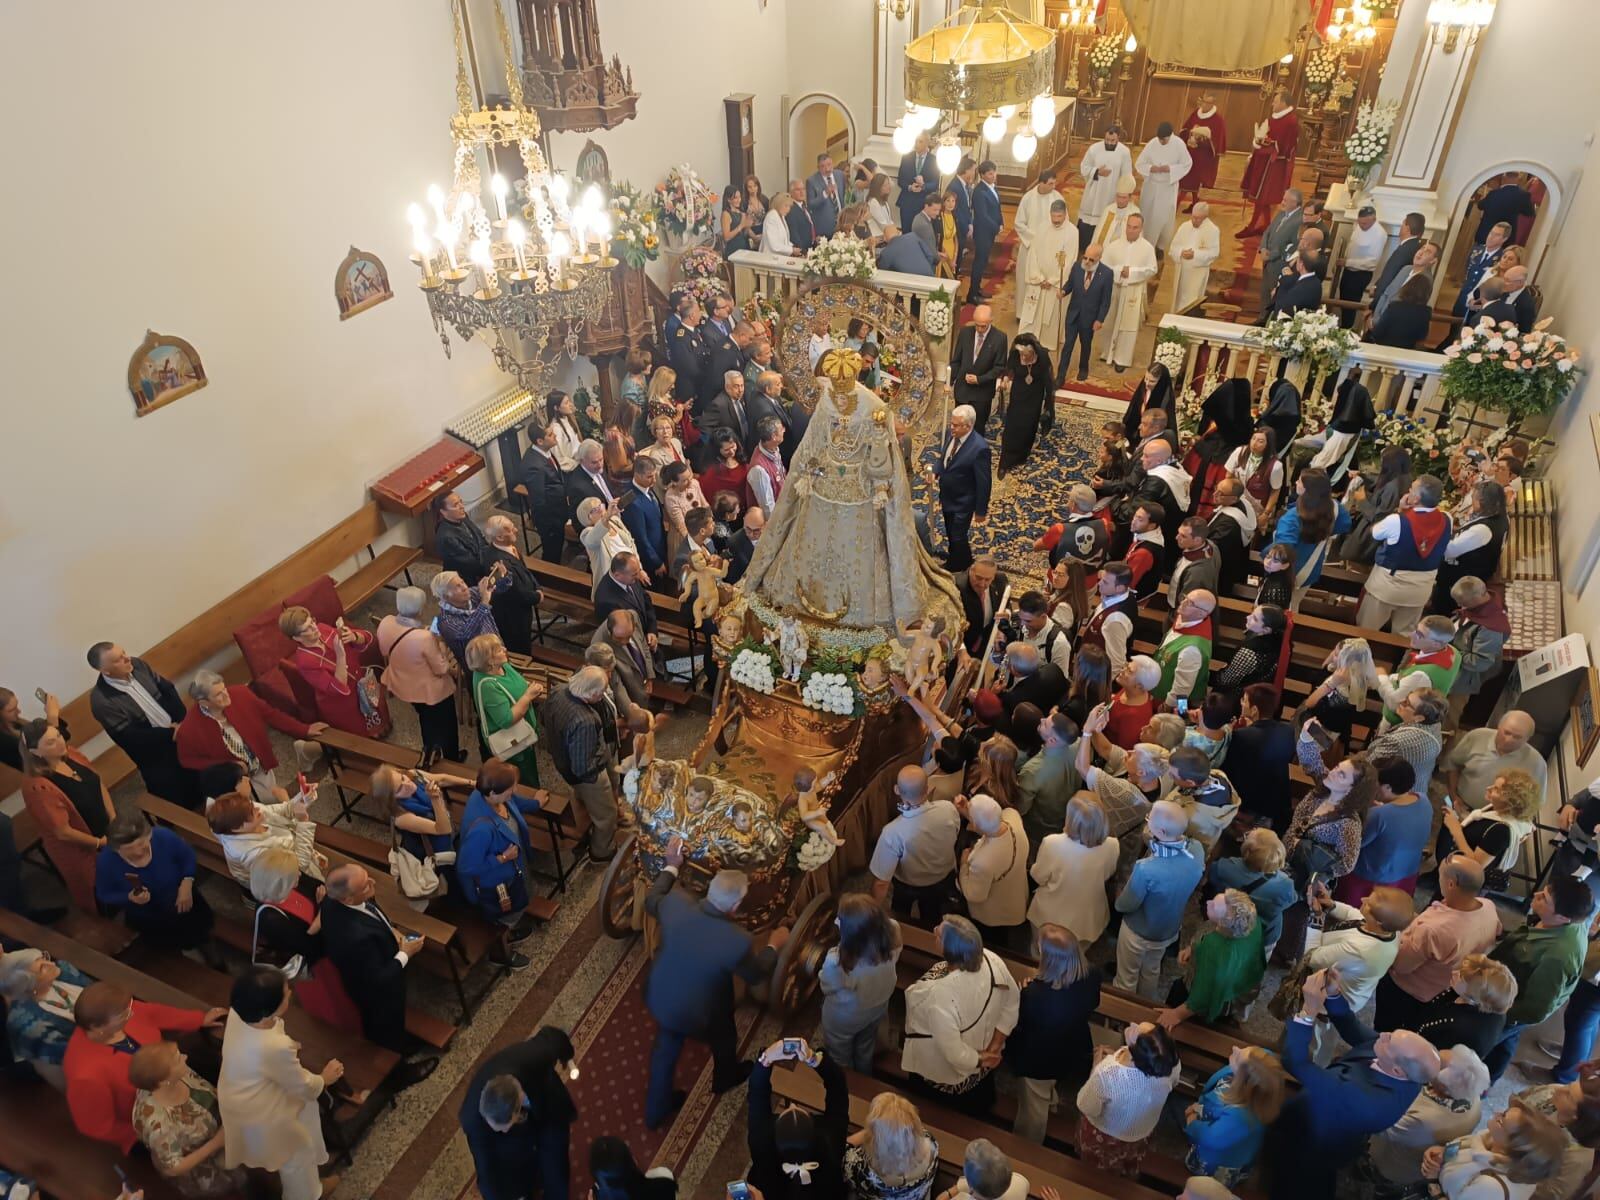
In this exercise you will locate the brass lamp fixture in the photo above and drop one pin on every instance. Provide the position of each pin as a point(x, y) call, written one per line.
point(984, 63)
point(518, 276)
point(1454, 22)
point(898, 9)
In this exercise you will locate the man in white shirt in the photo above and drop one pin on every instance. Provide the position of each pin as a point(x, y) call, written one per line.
point(1110, 625)
point(1131, 261)
point(1104, 164)
point(766, 474)
point(1041, 630)
point(916, 852)
point(1194, 247)
point(1361, 256)
point(1033, 214)
point(1163, 163)
point(1412, 544)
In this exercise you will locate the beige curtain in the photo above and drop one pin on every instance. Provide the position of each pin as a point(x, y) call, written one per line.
point(1217, 35)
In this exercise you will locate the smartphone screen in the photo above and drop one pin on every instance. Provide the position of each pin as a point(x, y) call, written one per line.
point(1183, 706)
point(738, 1190)
point(791, 1047)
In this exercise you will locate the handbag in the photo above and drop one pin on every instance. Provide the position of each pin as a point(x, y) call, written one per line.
point(369, 696)
point(294, 968)
point(419, 878)
point(511, 741)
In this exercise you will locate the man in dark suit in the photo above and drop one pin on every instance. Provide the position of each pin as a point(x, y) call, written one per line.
point(966, 177)
point(641, 513)
point(728, 411)
point(514, 602)
point(977, 360)
point(1422, 263)
point(1088, 292)
point(1411, 231)
point(799, 422)
point(802, 227)
point(918, 178)
point(825, 195)
point(1325, 1125)
point(1519, 297)
point(1279, 241)
point(624, 587)
point(141, 711)
point(925, 226)
point(690, 989)
point(588, 479)
point(765, 400)
point(1302, 291)
point(963, 475)
point(986, 225)
point(723, 354)
point(687, 352)
point(459, 543)
point(742, 545)
point(981, 587)
point(371, 955)
point(517, 1121)
point(635, 666)
point(1507, 203)
point(909, 255)
point(1033, 680)
point(543, 491)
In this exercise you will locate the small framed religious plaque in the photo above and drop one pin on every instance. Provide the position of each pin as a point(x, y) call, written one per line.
point(1585, 718)
point(361, 283)
point(163, 369)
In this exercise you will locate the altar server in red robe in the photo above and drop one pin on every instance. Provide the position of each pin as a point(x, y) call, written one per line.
point(1206, 135)
point(1271, 163)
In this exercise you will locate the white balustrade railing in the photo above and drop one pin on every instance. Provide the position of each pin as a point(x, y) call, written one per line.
point(779, 277)
point(1407, 382)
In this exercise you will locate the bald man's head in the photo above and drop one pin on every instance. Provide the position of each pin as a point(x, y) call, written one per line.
point(911, 785)
point(1460, 875)
point(1407, 1055)
point(1513, 732)
point(1197, 605)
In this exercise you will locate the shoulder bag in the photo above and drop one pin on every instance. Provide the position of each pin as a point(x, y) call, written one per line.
point(511, 741)
point(971, 1081)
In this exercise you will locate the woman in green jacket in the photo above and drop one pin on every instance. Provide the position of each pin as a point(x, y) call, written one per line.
point(504, 698)
point(1227, 962)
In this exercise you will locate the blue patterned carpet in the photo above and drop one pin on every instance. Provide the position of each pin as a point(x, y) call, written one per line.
point(1024, 504)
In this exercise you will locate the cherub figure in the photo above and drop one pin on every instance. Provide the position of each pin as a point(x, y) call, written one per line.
point(874, 673)
point(924, 657)
point(698, 794)
point(703, 578)
point(812, 811)
point(793, 645)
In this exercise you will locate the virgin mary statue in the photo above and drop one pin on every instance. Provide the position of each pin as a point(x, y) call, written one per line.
point(841, 548)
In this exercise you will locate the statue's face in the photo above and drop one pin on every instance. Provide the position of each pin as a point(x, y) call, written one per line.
point(742, 820)
point(697, 800)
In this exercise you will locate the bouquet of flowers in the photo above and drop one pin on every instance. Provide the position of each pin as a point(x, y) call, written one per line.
point(1189, 402)
point(1369, 140)
point(635, 225)
point(1311, 335)
point(811, 850)
point(763, 312)
point(1519, 374)
point(1172, 351)
point(843, 256)
point(1103, 55)
point(755, 665)
point(701, 270)
point(829, 684)
point(1430, 449)
point(937, 310)
point(1320, 71)
point(688, 206)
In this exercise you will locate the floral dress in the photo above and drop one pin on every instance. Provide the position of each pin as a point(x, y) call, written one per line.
point(866, 1185)
point(171, 1133)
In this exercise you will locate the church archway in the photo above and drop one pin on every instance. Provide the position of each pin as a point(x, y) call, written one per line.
point(818, 122)
point(1549, 199)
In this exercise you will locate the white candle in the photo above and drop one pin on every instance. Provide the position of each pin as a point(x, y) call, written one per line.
point(447, 239)
point(425, 250)
point(484, 261)
point(518, 235)
point(498, 185)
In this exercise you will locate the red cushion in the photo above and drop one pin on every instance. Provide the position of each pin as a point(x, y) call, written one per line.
point(321, 597)
point(274, 689)
point(262, 643)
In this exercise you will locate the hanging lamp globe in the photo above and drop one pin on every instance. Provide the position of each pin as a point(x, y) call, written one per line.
point(981, 58)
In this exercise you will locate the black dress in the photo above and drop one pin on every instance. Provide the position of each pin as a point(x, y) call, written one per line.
point(1051, 1039)
point(1446, 1023)
point(84, 792)
point(1140, 401)
point(1030, 410)
point(827, 1146)
point(1255, 661)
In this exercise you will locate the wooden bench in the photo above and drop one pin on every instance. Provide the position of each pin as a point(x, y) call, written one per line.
point(211, 631)
point(450, 949)
point(953, 1131)
point(38, 1140)
point(558, 666)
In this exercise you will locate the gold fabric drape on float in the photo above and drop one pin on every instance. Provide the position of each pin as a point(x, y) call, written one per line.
point(1216, 35)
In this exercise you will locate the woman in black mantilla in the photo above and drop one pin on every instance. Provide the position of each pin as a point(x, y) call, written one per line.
point(1154, 391)
point(1225, 425)
point(1030, 403)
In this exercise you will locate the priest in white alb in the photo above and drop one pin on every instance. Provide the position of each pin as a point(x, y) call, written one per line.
point(1132, 263)
point(1113, 221)
point(1163, 163)
point(1042, 307)
point(1104, 165)
point(1194, 247)
point(1033, 214)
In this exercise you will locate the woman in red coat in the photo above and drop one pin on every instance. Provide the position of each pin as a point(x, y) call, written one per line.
point(229, 725)
point(728, 472)
point(69, 802)
point(329, 658)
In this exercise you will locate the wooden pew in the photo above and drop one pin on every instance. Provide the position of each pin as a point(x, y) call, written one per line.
point(38, 1140)
point(1043, 1167)
point(451, 948)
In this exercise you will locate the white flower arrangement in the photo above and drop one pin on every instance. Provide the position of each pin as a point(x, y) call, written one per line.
point(830, 692)
point(843, 256)
point(630, 785)
point(753, 669)
point(1369, 140)
point(1321, 68)
point(688, 208)
point(1173, 356)
point(937, 311)
point(813, 852)
point(1522, 373)
point(1103, 55)
point(1311, 335)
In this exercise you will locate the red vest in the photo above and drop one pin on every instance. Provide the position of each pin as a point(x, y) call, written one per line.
point(1092, 629)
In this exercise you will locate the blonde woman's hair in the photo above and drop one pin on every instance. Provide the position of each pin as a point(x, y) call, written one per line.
point(1355, 656)
point(1086, 820)
point(1061, 960)
point(1488, 984)
point(1263, 852)
point(1522, 793)
point(151, 1064)
point(384, 787)
point(293, 619)
point(1535, 1145)
point(479, 649)
point(995, 773)
point(661, 383)
point(1240, 918)
point(273, 874)
point(1258, 1084)
point(894, 1146)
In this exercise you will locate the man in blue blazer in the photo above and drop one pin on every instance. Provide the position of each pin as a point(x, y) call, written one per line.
point(918, 179)
point(825, 195)
point(641, 513)
point(966, 177)
point(962, 476)
point(690, 989)
point(905, 253)
point(543, 489)
point(1301, 291)
point(1365, 1090)
point(1088, 293)
point(986, 225)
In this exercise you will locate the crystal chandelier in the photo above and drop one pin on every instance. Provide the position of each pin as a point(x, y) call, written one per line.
point(984, 62)
point(521, 276)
